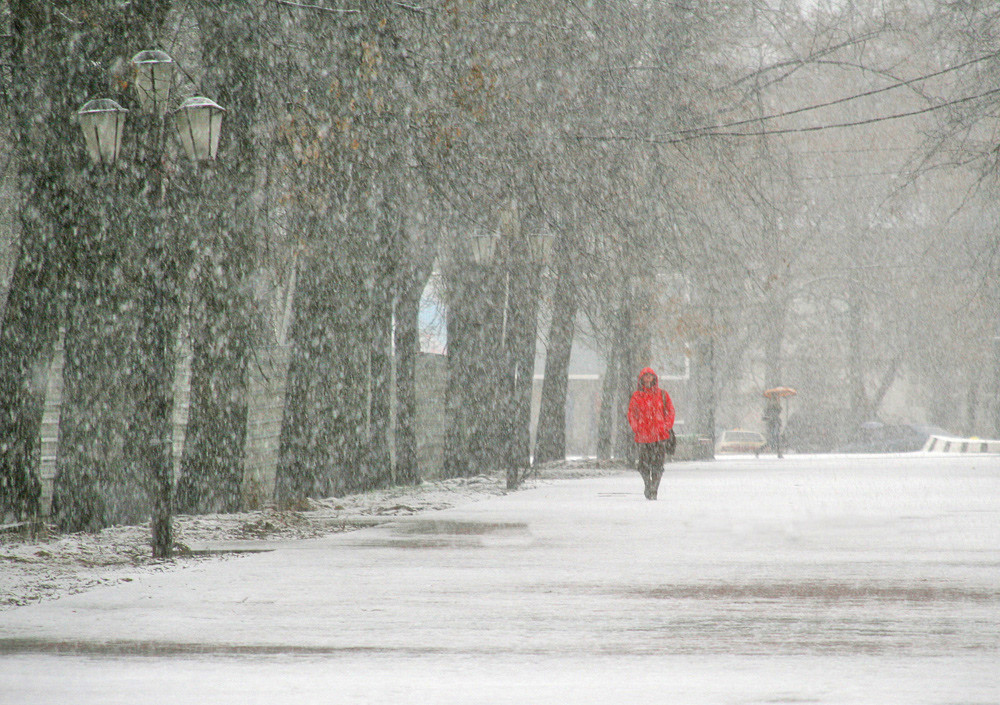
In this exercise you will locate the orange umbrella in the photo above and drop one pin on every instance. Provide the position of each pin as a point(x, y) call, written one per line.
point(779, 392)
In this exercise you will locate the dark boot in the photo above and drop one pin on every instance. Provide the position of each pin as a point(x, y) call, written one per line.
point(654, 484)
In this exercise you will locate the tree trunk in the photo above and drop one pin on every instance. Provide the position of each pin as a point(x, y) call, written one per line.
point(351, 469)
point(214, 455)
point(855, 360)
point(971, 407)
point(524, 342)
point(456, 441)
point(380, 386)
point(149, 441)
point(96, 484)
point(27, 337)
point(996, 386)
point(773, 339)
point(885, 384)
point(628, 374)
point(325, 434)
point(306, 442)
point(606, 419)
point(550, 434)
point(407, 345)
point(490, 386)
point(29, 321)
point(213, 463)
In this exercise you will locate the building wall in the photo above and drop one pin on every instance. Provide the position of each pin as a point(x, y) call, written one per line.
point(583, 408)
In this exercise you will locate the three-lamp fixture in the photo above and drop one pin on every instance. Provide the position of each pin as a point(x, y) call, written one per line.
point(196, 121)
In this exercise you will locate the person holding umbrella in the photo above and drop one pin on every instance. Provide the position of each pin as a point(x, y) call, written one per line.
point(772, 421)
point(772, 416)
point(651, 416)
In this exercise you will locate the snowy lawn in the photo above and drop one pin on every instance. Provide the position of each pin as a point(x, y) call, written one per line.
point(53, 565)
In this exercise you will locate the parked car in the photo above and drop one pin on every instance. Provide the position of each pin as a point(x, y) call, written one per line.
point(878, 437)
point(739, 440)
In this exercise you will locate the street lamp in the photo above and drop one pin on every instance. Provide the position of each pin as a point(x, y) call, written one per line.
point(197, 123)
point(103, 122)
point(540, 247)
point(154, 74)
point(483, 246)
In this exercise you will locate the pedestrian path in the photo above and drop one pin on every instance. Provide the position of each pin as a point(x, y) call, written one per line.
point(816, 579)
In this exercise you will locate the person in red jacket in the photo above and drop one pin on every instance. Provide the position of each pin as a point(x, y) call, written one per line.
point(651, 416)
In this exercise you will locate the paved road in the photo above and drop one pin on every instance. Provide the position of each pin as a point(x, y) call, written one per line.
point(811, 579)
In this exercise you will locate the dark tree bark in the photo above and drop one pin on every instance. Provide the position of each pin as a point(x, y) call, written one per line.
point(413, 273)
point(213, 463)
point(628, 377)
point(407, 345)
point(523, 344)
point(350, 423)
point(214, 454)
point(27, 339)
point(526, 342)
point(306, 441)
point(550, 436)
point(489, 386)
point(380, 376)
point(29, 320)
point(148, 447)
point(995, 386)
point(606, 418)
point(460, 348)
point(89, 208)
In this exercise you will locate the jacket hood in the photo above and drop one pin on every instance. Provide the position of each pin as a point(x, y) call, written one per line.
point(648, 370)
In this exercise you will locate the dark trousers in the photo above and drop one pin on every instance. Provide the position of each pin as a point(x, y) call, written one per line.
point(651, 456)
point(774, 437)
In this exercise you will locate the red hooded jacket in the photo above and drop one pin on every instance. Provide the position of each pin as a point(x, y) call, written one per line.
point(650, 411)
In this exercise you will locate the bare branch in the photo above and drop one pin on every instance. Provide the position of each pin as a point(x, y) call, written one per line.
point(334, 10)
point(411, 8)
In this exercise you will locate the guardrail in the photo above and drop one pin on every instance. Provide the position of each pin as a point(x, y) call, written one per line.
point(946, 444)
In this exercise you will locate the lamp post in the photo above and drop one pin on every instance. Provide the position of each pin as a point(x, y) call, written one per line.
point(197, 123)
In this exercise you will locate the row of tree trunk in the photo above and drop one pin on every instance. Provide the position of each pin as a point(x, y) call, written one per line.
point(116, 258)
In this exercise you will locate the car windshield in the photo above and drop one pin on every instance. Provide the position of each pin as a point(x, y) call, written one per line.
point(742, 436)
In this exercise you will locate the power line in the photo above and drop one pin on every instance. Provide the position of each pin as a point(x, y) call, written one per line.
point(838, 101)
point(857, 123)
point(782, 131)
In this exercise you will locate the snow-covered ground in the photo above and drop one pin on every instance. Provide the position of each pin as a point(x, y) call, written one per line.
point(821, 579)
point(53, 565)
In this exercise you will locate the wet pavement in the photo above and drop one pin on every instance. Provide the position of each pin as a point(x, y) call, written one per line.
point(809, 579)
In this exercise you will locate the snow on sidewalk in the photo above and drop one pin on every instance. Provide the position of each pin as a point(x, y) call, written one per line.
point(819, 579)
